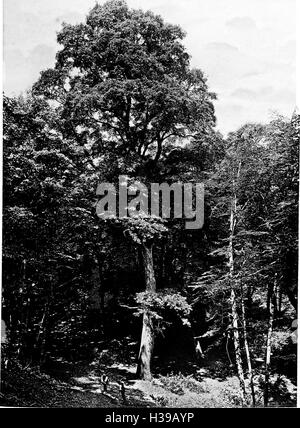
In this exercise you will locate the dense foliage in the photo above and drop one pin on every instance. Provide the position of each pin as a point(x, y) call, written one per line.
point(122, 99)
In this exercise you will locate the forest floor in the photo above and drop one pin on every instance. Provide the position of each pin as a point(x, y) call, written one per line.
point(63, 383)
point(79, 385)
point(69, 385)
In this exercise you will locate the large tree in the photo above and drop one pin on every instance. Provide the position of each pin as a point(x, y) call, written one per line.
point(123, 78)
point(123, 87)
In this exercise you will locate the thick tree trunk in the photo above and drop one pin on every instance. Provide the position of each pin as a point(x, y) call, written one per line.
point(148, 268)
point(146, 349)
point(147, 338)
point(271, 293)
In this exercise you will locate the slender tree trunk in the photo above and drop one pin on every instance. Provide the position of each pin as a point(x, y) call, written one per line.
point(198, 349)
point(101, 291)
point(147, 338)
point(279, 300)
point(47, 326)
point(271, 293)
point(44, 332)
point(249, 298)
point(41, 324)
point(22, 323)
point(234, 313)
point(246, 345)
point(237, 348)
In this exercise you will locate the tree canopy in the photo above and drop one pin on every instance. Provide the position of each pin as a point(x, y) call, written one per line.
point(124, 79)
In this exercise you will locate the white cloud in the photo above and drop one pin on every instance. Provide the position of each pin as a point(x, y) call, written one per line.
point(242, 23)
point(221, 48)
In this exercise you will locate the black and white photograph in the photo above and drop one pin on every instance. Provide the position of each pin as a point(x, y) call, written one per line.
point(149, 200)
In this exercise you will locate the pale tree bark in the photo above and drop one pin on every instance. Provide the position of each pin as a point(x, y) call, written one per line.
point(147, 338)
point(279, 300)
point(198, 349)
point(234, 313)
point(272, 292)
point(237, 348)
point(246, 345)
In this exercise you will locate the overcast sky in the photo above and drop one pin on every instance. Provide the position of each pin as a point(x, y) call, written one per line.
point(247, 48)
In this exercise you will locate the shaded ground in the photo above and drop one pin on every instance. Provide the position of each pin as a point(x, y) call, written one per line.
point(78, 384)
point(21, 387)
